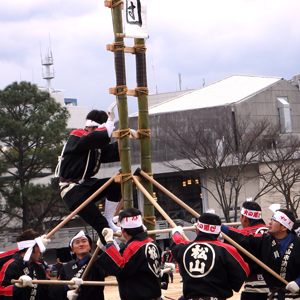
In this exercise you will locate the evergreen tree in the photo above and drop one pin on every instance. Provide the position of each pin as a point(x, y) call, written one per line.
point(32, 130)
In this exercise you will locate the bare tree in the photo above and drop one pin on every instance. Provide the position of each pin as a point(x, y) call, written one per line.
point(281, 168)
point(223, 145)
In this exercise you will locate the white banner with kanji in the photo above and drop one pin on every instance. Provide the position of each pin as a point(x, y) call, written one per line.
point(135, 19)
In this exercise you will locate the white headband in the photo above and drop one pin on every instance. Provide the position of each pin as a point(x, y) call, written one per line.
point(207, 228)
point(77, 236)
point(283, 219)
point(91, 123)
point(30, 244)
point(252, 214)
point(131, 222)
point(298, 231)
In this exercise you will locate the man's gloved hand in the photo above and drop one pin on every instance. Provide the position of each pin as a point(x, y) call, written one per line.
point(111, 113)
point(26, 281)
point(293, 287)
point(45, 240)
point(178, 229)
point(72, 295)
point(78, 282)
point(100, 245)
point(108, 235)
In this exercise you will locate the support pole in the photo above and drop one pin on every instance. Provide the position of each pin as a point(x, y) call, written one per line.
point(144, 128)
point(63, 282)
point(156, 205)
point(122, 103)
point(227, 238)
point(81, 206)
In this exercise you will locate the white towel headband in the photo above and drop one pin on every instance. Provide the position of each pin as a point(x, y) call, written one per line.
point(30, 245)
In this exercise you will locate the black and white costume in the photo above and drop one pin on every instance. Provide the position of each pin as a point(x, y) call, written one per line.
point(255, 286)
point(13, 269)
point(267, 249)
point(75, 268)
point(81, 159)
point(137, 269)
point(209, 268)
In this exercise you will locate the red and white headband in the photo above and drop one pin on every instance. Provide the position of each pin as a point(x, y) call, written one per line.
point(207, 228)
point(131, 222)
point(30, 245)
point(77, 236)
point(252, 214)
point(283, 219)
point(91, 123)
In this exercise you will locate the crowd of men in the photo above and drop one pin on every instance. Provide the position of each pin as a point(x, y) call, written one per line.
point(210, 268)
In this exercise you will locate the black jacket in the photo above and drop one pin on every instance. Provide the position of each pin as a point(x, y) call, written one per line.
point(15, 268)
point(73, 269)
point(137, 269)
point(209, 267)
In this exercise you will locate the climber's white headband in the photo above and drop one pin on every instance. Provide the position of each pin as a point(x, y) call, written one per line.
point(252, 214)
point(30, 245)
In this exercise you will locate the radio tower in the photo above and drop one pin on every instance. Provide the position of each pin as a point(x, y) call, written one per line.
point(48, 75)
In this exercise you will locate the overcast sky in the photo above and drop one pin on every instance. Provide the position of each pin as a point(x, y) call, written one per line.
point(201, 40)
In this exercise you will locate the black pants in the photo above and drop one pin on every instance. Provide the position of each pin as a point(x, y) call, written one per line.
point(91, 213)
point(254, 296)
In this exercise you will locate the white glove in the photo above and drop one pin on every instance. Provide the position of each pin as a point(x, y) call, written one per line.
point(195, 225)
point(72, 295)
point(293, 287)
point(45, 240)
point(111, 113)
point(170, 266)
point(133, 134)
point(177, 229)
point(78, 282)
point(108, 235)
point(26, 281)
point(100, 245)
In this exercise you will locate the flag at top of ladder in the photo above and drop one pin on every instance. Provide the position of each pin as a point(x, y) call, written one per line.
point(135, 19)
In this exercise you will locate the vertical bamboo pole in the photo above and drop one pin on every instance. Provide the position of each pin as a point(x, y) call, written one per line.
point(122, 102)
point(143, 126)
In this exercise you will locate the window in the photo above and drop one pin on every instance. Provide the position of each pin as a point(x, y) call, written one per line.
point(284, 112)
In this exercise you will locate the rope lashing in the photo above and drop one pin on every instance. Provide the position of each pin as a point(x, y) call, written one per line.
point(121, 43)
point(143, 90)
point(141, 47)
point(149, 219)
point(145, 132)
point(117, 3)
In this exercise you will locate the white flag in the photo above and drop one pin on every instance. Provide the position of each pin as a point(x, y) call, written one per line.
point(135, 19)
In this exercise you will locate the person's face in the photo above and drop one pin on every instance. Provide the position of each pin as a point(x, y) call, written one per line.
point(276, 229)
point(81, 246)
point(36, 253)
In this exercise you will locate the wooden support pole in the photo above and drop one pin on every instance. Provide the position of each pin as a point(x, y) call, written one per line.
point(157, 206)
point(168, 193)
point(259, 262)
point(81, 206)
point(63, 282)
point(227, 238)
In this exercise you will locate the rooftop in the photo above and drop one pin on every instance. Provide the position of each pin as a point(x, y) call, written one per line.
point(226, 91)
